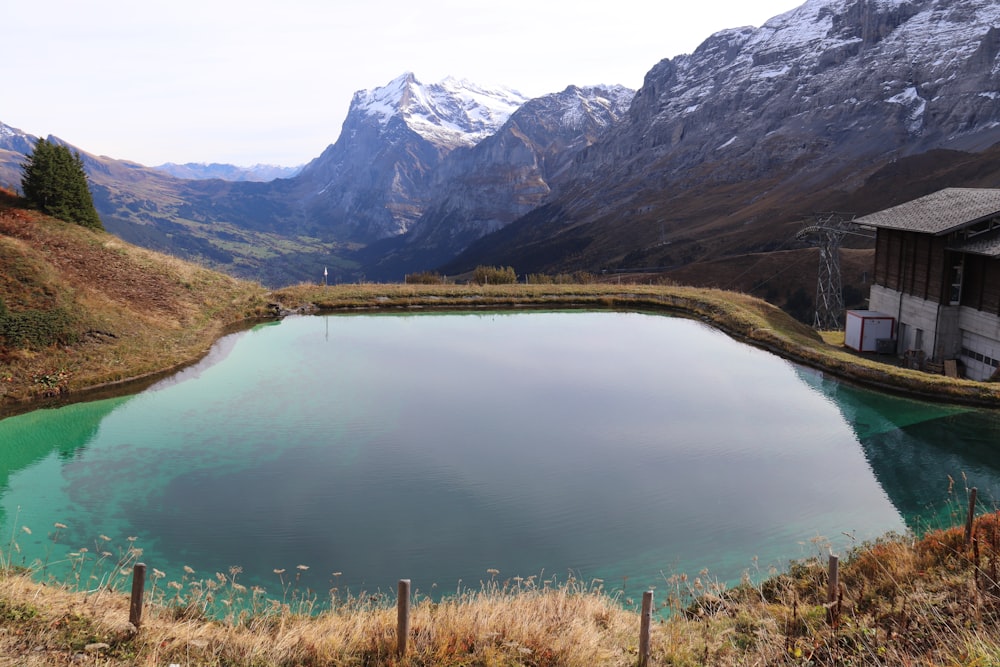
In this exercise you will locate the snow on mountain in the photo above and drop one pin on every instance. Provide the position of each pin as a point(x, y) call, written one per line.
point(822, 96)
point(828, 70)
point(452, 112)
point(584, 105)
point(13, 139)
point(8, 131)
point(947, 29)
point(14, 145)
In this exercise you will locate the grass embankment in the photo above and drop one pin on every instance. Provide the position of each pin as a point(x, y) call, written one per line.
point(89, 310)
point(902, 601)
point(744, 317)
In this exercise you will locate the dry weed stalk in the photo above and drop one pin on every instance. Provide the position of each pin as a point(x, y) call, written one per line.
point(905, 601)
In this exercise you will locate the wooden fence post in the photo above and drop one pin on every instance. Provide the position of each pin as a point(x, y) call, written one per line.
point(402, 616)
point(138, 586)
point(833, 585)
point(833, 590)
point(971, 516)
point(647, 617)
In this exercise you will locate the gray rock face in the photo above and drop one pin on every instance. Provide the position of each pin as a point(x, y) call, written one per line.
point(833, 79)
point(14, 146)
point(818, 97)
point(478, 190)
point(375, 181)
point(15, 140)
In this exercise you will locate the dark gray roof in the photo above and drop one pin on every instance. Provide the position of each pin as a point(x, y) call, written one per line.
point(938, 213)
point(980, 246)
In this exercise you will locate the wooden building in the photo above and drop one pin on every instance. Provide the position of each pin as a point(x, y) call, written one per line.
point(937, 271)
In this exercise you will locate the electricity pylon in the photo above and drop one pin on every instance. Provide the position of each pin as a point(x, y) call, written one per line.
point(826, 231)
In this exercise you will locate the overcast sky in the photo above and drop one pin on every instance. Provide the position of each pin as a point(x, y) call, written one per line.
point(255, 81)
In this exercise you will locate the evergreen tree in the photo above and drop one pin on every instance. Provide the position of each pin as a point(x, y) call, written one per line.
point(54, 181)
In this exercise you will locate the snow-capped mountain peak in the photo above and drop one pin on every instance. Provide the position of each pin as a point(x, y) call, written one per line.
point(821, 26)
point(919, 63)
point(15, 140)
point(602, 104)
point(453, 112)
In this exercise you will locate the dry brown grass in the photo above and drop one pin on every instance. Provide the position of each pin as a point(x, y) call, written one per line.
point(136, 313)
point(904, 601)
point(564, 625)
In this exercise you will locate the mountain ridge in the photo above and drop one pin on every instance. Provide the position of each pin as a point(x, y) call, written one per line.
point(372, 183)
point(724, 149)
point(478, 190)
point(720, 154)
point(198, 171)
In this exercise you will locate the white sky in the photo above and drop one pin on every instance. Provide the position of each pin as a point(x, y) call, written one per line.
point(255, 81)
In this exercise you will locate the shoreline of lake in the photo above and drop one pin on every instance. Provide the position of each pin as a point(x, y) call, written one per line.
point(743, 317)
point(797, 623)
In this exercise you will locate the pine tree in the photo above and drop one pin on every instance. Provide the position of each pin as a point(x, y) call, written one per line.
point(55, 182)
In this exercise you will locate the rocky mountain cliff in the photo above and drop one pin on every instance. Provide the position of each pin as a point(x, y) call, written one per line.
point(725, 148)
point(837, 105)
point(13, 144)
point(480, 189)
point(375, 181)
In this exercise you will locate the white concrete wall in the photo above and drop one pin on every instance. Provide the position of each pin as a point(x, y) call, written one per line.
point(911, 312)
point(947, 330)
point(979, 356)
point(980, 337)
point(979, 323)
point(883, 300)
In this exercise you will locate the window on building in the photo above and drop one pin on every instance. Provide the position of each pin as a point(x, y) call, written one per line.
point(955, 296)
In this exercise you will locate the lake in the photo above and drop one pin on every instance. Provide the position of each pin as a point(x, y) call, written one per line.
point(625, 447)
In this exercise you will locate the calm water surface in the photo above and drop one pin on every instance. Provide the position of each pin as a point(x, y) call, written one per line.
point(435, 447)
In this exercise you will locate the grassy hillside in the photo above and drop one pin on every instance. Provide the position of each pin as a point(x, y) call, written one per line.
point(84, 309)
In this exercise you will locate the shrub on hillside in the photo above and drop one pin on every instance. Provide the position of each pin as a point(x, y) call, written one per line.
point(575, 278)
point(494, 275)
point(424, 278)
point(36, 328)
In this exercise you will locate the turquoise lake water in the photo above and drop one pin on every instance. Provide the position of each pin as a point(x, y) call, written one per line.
point(621, 446)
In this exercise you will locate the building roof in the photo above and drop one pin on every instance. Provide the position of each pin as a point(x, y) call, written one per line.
point(938, 213)
point(988, 246)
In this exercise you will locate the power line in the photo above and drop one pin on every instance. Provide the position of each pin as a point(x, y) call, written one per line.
point(827, 231)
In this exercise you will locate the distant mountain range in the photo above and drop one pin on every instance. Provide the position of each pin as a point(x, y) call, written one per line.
point(418, 172)
point(704, 174)
point(260, 173)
